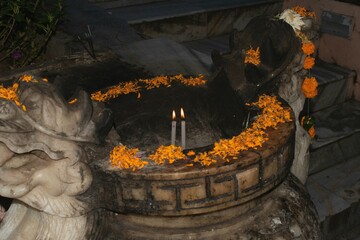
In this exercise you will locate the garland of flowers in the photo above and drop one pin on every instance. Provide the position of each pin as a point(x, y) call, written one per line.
point(294, 17)
point(11, 92)
point(225, 149)
point(146, 84)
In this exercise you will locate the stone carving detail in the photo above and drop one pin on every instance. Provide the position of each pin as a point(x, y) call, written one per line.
point(283, 77)
point(290, 90)
point(284, 213)
point(208, 190)
point(2, 213)
point(278, 45)
point(42, 162)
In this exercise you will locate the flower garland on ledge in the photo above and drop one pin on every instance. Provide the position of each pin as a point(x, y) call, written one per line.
point(294, 17)
point(10, 93)
point(225, 149)
point(147, 84)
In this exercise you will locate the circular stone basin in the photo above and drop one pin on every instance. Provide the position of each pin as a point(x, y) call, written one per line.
point(210, 114)
point(180, 189)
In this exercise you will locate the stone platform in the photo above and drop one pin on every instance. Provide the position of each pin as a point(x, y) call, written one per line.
point(280, 214)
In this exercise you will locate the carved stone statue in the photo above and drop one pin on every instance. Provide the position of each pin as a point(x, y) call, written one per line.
point(42, 162)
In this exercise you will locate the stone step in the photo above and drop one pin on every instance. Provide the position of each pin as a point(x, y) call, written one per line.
point(337, 135)
point(185, 20)
point(160, 10)
point(107, 4)
point(336, 195)
point(335, 85)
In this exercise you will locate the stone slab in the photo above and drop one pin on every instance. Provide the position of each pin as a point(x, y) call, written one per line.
point(202, 25)
point(325, 157)
point(334, 153)
point(163, 10)
point(162, 56)
point(326, 203)
point(333, 190)
point(204, 59)
point(207, 45)
point(106, 4)
point(336, 122)
point(202, 48)
point(350, 146)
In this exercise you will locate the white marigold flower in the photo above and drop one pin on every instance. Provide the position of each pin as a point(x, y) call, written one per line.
point(292, 18)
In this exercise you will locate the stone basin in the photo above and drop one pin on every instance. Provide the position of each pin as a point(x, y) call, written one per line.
point(70, 191)
point(179, 190)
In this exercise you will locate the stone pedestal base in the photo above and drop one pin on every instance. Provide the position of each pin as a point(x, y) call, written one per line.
point(285, 213)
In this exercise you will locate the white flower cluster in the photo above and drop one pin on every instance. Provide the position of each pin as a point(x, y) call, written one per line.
point(294, 19)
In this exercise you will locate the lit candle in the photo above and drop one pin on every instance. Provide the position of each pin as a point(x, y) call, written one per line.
point(173, 128)
point(183, 129)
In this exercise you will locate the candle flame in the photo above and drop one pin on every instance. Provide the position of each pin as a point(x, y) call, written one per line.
point(173, 115)
point(182, 114)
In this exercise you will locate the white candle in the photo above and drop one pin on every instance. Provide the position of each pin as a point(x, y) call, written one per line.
point(183, 129)
point(173, 128)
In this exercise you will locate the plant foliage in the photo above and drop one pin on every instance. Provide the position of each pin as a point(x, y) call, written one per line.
point(25, 28)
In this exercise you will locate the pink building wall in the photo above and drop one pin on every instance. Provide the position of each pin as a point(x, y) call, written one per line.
point(334, 49)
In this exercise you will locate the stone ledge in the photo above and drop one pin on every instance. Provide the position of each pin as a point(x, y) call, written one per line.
point(336, 195)
point(108, 4)
point(164, 10)
point(336, 122)
point(335, 85)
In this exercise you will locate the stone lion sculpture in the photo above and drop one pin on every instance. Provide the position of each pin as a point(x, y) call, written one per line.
point(42, 162)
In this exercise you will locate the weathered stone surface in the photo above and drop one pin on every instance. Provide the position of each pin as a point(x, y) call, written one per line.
point(2, 212)
point(121, 3)
point(335, 192)
point(171, 9)
point(178, 190)
point(248, 79)
point(285, 213)
point(337, 122)
point(42, 164)
point(171, 58)
point(334, 85)
point(199, 24)
point(283, 76)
